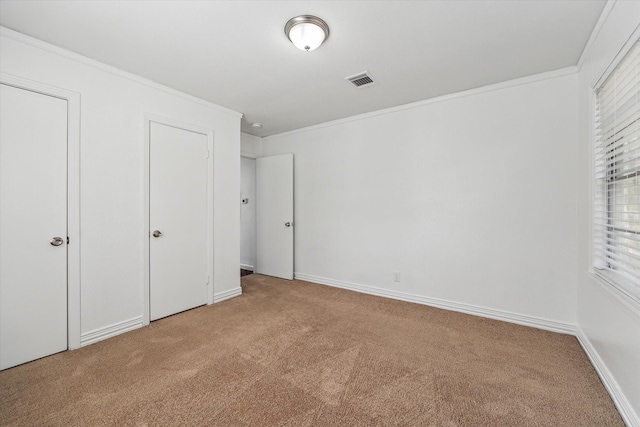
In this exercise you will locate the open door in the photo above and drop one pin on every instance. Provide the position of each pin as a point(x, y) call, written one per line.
point(274, 216)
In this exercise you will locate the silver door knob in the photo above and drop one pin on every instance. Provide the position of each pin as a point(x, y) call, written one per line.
point(157, 233)
point(287, 224)
point(56, 241)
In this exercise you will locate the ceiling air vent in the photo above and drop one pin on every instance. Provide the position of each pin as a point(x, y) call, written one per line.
point(361, 80)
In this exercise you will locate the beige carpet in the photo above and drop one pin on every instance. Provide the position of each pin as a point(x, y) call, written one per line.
point(300, 354)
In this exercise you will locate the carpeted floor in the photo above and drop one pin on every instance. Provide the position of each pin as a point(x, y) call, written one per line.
point(301, 354)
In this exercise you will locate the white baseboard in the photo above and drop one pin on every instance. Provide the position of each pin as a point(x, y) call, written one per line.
point(137, 322)
point(628, 414)
point(221, 296)
point(110, 331)
point(246, 267)
point(520, 319)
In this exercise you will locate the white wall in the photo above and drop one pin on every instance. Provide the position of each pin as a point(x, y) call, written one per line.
point(608, 325)
point(250, 145)
point(113, 104)
point(248, 213)
point(472, 198)
point(250, 149)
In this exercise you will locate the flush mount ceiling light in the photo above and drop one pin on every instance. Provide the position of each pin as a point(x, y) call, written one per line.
point(306, 32)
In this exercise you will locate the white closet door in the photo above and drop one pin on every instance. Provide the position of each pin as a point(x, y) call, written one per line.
point(178, 220)
point(33, 225)
point(274, 216)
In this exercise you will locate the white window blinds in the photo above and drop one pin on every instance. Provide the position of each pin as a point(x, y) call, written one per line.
point(617, 169)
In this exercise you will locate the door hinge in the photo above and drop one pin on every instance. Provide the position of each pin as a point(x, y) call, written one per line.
point(207, 154)
point(207, 280)
point(67, 240)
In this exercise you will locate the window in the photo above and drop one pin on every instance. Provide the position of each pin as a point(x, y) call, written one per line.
point(617, 174)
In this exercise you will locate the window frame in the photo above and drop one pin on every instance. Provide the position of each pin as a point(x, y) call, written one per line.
point(603, 191)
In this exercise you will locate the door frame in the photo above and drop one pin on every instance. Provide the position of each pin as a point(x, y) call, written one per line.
point(209, 133)
point(259, 265)
point(73, 196)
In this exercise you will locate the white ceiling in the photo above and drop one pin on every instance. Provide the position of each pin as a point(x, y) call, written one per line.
point(235, 53)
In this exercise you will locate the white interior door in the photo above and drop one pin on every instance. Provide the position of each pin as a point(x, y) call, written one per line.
point(274, 216)
point(33, 212)
point(178, 274)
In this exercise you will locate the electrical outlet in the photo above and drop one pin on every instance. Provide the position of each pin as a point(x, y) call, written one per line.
point(396, 276)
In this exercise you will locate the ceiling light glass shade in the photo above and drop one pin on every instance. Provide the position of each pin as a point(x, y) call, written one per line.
point(306, 32)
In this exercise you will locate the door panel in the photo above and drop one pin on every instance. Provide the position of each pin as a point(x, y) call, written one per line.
point(178, 210)
point(274, 210)
point(33, 210)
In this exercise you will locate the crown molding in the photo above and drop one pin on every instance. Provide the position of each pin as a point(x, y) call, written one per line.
point(562, 72)
point(608, 7)
point(23, 38)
